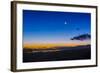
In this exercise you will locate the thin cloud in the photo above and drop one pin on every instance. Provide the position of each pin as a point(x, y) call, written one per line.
point(82, 37)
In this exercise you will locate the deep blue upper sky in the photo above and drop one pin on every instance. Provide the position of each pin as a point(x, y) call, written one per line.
point(51, 27)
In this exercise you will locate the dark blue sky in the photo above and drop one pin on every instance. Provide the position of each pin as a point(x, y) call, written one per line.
point(52, 27)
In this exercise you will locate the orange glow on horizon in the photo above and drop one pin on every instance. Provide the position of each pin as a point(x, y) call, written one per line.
point(53, 45)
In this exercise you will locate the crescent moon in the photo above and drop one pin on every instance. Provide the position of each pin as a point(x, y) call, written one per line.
point(65, 22)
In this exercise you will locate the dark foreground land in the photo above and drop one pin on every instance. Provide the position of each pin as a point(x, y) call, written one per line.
point(61, 53)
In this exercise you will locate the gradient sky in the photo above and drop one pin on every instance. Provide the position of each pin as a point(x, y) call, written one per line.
point(54, 27)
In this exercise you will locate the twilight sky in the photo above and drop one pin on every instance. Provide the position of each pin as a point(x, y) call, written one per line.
point(54, 27)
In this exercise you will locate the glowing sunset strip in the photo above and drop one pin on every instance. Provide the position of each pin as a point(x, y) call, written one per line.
point(53, 46)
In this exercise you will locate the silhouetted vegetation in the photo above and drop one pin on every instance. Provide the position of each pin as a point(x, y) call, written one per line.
point(58, 54)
